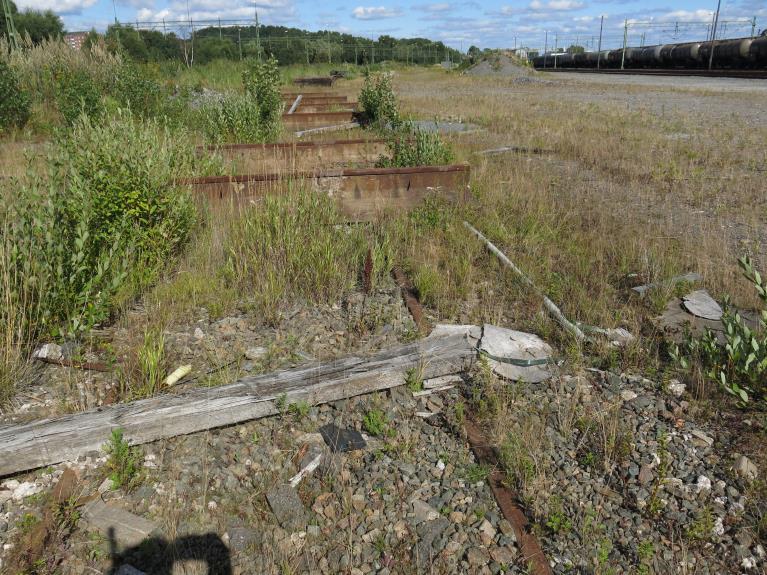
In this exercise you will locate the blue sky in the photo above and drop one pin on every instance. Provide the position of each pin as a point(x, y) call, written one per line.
point(460, 24)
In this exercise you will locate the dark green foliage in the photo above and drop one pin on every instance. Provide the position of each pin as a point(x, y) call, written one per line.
point(410, 147)
point(77, 93)
point(14, 102)
point(97, 229)
point(378, 101)
point(124, 461)
point(137, 91)
point(740, 365)
point(262, 82)
point(38, 24)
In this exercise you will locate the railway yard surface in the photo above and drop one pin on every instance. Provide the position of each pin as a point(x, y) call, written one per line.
point(620, 460)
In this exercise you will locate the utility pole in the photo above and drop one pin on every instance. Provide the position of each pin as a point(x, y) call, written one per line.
point(258, 35)
point(10, 27)
point(713, 35)
point(599, 50)
point(625, 39)
point(545, 48)
point(753, 26)
point(239, 41)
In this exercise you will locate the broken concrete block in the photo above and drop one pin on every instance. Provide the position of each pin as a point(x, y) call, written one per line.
point(516, 355)
point(127, 528)
point(287, 508)
point(49, 351)
point(701, 304)
point(473, 332)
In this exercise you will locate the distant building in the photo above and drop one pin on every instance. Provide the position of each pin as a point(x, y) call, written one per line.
point(75, 40)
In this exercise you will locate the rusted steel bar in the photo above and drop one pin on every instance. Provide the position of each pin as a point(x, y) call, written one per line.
point(411, 301)
point(84, 365)
point(532, 552)
point(336, 128)
point(315, 81)
point(298, 156)
point(301, 121)
point(361, 194)
point(314, 100)
point(307, 107)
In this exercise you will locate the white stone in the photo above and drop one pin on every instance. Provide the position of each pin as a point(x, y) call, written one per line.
point(676, 388)
point(628, 395)
point(440, 465)
point(49, 351)
point(198, 333)
point(704, 483)
point(25, 490)
point(718, 529)
point(11, 484)
point(212, 505)
point(748, 563)
point(105, 486)
point(255, 353)
point(746, 468)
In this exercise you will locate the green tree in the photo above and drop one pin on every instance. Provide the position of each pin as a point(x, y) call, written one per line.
point(575, 49)
point(38, 24)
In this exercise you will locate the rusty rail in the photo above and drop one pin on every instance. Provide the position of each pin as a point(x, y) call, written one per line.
point(302, 121)
point(298, 156)
point(362, 194)
point(411, 300)
point(532, 552)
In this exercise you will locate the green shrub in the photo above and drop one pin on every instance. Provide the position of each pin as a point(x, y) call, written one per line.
point(410, 147)
point(77, 93)
point(14, 102)
point(261, 81)
point(123, 462)
point(137, 91)
point(378, 101)
point(740, 365)
point(95, 231)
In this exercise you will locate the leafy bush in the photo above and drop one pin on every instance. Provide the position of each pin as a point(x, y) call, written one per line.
point(740, 365)
point(262, 83)
point(137, 91)
point(410, 147)
point(378, 101)
point(95, 230)
point(77, 93)
point(14, 102)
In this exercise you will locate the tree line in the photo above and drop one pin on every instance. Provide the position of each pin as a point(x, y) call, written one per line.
point(208, 43)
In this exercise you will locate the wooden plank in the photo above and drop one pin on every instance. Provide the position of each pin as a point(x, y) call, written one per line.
point(50, 441)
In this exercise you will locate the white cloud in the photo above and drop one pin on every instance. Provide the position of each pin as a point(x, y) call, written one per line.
point(375, 12)
point(440, 7)
point(558, 5)
point(58, 6)
point(269, 11)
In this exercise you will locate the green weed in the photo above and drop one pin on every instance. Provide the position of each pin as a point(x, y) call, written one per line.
point(123, 462)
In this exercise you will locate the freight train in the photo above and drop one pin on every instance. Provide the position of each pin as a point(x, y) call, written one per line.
point(739, 53)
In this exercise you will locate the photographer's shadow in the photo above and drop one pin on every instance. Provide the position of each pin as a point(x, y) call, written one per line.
point(157, 555)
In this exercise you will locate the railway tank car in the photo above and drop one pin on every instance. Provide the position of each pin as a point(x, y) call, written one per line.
point(738, 53)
